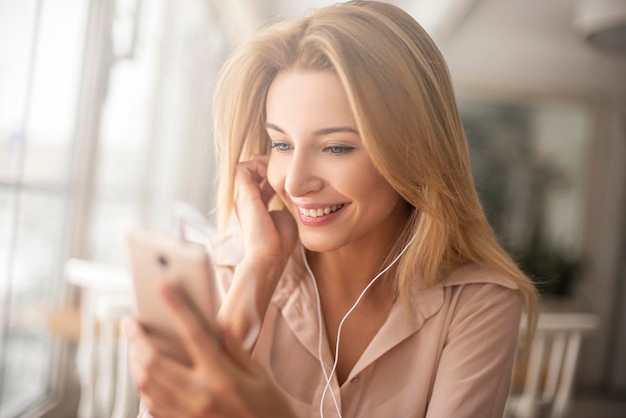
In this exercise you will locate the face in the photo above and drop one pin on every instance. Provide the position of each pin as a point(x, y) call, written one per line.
point(321, 169)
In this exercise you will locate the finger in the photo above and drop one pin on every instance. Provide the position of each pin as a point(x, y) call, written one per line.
point(157, 406)
point(165, 394)
point(156, 400)
point(251, 189)
point(150, 367)
point(252, 171)
point(171, 390)
point(261, 158)
point(266, 192)
point(201, 342)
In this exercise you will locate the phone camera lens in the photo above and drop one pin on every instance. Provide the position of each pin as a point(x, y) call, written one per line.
point(162, 260)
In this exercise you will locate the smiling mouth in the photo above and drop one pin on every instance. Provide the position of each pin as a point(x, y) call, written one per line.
point(319, 212)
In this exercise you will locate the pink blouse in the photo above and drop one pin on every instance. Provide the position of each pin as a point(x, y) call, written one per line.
point(451, 358)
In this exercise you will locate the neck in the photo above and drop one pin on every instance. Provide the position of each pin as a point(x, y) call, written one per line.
point(343, 273)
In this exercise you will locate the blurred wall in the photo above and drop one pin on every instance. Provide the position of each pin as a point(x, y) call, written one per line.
point(532, 49)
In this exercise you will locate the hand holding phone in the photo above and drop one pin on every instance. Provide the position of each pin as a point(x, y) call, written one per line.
point(156, 259)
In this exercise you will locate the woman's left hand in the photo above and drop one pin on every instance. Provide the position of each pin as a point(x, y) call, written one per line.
point(222, 380)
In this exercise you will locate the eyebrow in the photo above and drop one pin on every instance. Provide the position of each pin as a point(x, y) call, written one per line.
point(319, 132)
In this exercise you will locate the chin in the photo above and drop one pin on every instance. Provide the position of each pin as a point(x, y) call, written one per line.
point(317, 244)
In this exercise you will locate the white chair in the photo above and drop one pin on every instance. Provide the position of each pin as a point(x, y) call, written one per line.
point(546, 371)
point(106, 297)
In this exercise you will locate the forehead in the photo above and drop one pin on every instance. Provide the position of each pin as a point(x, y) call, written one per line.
point(308, 100)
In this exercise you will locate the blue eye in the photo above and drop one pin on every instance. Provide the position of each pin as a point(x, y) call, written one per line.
point(281, 146)
point(338, 149)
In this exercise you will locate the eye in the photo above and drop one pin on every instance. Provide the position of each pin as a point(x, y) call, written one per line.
point(281, 146)
point(339, 149)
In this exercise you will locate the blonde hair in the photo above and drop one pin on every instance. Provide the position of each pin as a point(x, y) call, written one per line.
point(401, 95)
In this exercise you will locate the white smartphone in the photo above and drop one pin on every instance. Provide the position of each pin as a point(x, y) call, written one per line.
point(155, 258)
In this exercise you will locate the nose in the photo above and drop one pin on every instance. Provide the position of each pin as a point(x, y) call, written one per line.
point(302, 177)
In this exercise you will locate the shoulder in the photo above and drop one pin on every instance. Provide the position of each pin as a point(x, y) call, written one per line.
point(468, 290)
point(479, 294)
point(479, 324)
point(473, 273)
point(475, 283)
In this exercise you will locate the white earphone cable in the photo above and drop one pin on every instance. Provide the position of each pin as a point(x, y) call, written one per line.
point(320, 336)
point(328, 377)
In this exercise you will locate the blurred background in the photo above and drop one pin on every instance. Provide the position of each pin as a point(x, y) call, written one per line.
point(105, 122)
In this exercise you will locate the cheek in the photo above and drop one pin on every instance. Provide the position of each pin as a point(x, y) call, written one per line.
point(368, 181)
point(375, 188)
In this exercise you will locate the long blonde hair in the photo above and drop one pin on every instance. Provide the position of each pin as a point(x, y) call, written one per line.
point(400, 91)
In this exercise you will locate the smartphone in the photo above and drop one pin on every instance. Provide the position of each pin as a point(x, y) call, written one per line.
point(156, 258)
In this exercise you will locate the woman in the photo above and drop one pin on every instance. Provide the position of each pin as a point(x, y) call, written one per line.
point(375, 287)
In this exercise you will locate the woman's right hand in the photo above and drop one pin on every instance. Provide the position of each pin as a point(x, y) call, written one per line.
point(269, 237)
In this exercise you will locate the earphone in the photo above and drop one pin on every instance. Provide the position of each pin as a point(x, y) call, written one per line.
point(328, 377)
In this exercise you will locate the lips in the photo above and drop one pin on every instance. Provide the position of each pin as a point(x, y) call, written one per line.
point(319, 212)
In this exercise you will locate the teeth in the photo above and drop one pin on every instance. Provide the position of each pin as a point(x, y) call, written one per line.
point(316, 213)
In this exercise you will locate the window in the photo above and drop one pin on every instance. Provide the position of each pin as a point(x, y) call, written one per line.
point(42, 44)
point(104, 123)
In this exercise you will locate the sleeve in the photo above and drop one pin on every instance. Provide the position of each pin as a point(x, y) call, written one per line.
point(474, 373)
point(225, 252)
